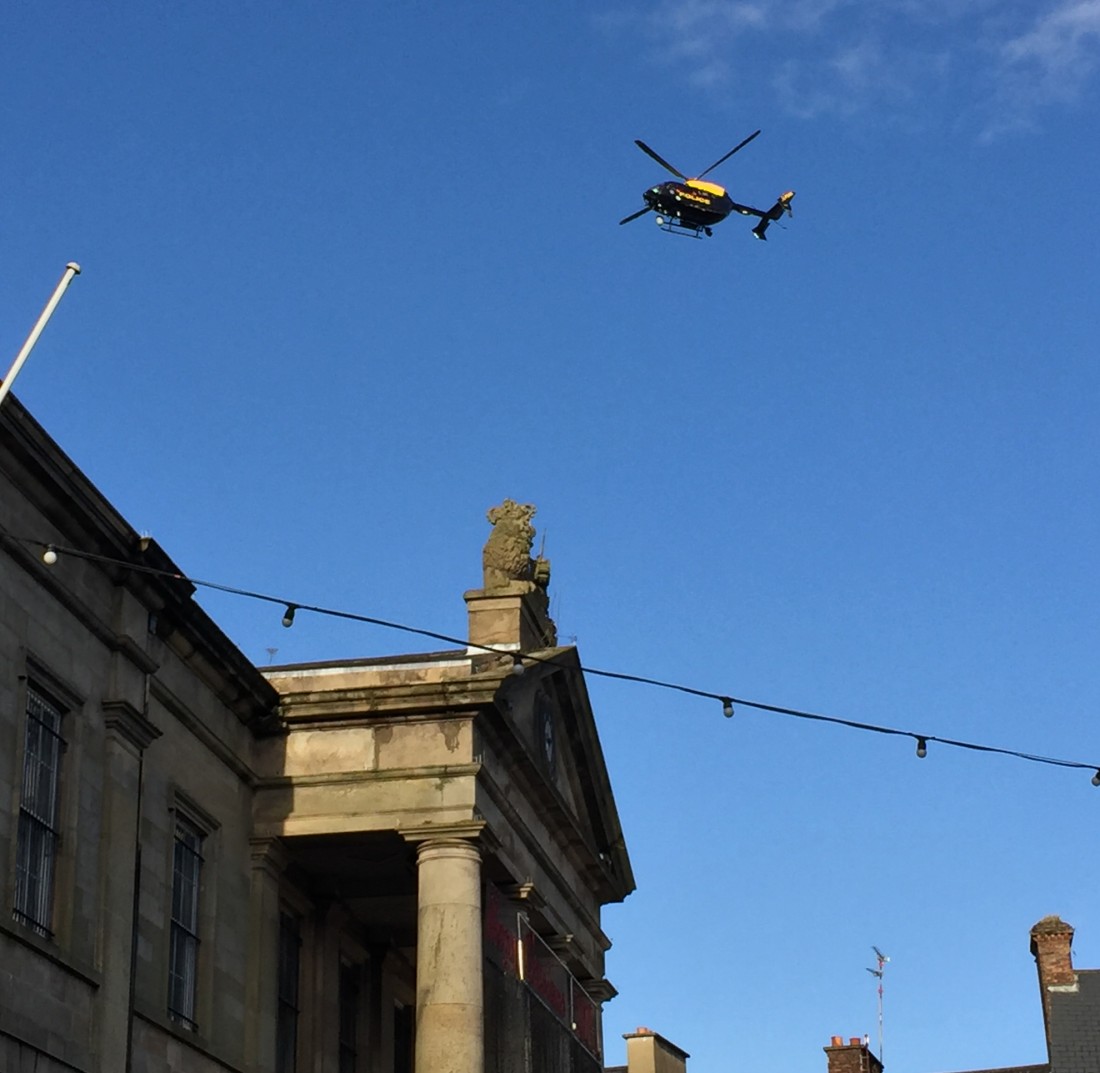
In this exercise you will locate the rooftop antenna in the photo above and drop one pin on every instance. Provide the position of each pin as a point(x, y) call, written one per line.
point(71, 269)
point(879, 973)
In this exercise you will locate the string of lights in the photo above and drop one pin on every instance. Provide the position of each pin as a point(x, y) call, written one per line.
point(52, 552)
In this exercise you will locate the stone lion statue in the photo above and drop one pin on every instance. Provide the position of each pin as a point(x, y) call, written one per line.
point(506, 557)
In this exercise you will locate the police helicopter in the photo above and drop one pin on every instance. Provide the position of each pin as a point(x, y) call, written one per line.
point(694, 206)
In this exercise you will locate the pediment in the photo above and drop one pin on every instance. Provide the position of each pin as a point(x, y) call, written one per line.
point(549, 712)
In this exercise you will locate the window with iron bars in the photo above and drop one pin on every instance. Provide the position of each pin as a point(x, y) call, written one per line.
point(38, 837)
point(183, 954)
point(286, 1027)
point(349, 1016)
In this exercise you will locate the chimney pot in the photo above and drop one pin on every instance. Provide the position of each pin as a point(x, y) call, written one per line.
point(855, 1056)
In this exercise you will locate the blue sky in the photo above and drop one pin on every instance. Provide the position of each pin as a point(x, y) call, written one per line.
point(352, 274)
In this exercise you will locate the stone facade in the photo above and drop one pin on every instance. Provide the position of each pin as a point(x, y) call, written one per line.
point(381, 865)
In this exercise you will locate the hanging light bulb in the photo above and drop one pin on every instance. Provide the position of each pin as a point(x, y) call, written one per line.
point(1096, 778)
point(727, 707)
point(49, 556)
point(517, 665)
point(288, 615)
point(922, 747)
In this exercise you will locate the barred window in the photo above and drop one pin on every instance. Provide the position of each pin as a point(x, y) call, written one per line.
point(286, 1028)
point(349, 1014)
point(38, 836)
point(183, 954)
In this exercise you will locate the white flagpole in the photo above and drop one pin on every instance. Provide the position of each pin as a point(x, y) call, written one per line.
point(71, 269)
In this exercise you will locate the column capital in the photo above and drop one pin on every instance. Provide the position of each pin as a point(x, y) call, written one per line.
point(470, 831)
point(268, 855)
point(459, 848)
point(477, 832)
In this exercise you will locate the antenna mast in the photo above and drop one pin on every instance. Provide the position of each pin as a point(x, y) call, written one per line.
point(879, 973)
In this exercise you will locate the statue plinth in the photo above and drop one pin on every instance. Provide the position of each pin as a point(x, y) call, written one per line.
point(512, 617)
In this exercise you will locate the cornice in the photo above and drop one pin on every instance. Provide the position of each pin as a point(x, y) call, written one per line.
point(47, 485)
point(374, 702)
point(433, 772)
point(526, 890)
point(591, 861)
point(131, 725)
point(223, 751)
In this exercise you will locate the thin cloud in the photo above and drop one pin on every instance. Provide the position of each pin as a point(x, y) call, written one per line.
point(690, 30)
point(996, 61)
point(859, 65)
point(1059, 53)
point(1053, 61)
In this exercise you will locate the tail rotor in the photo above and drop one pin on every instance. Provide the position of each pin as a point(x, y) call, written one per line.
point(782, 205)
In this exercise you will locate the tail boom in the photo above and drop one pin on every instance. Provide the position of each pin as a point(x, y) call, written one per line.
point(782, 205)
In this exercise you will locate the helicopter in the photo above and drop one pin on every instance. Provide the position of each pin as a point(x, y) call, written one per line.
point(693, 206)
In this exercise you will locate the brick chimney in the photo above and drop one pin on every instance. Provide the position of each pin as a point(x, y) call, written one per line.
point(851, 1057)
point(1051, 940)
point(647, 1052)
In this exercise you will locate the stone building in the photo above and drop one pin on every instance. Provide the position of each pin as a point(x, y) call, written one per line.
point(379, 865)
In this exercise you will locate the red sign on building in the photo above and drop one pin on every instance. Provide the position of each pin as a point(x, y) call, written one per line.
point(513, 946)
point(500, 931)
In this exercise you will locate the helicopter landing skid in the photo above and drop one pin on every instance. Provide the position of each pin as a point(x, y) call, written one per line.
point(675, 226)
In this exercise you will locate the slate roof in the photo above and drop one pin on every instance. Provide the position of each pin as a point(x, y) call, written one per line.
point(1074, 1030)
point(1013, 1069)
point(1075, 1026)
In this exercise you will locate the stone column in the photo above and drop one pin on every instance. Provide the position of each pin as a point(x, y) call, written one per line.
point(449, 990)
point(269, 859)
point(128, 734)
point(324, 1007)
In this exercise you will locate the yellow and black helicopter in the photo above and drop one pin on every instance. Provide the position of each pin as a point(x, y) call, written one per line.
point(693, 206)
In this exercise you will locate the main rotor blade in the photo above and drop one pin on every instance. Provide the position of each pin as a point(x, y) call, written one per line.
point(634, 216)
point(664, 163)
point(740, 145)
